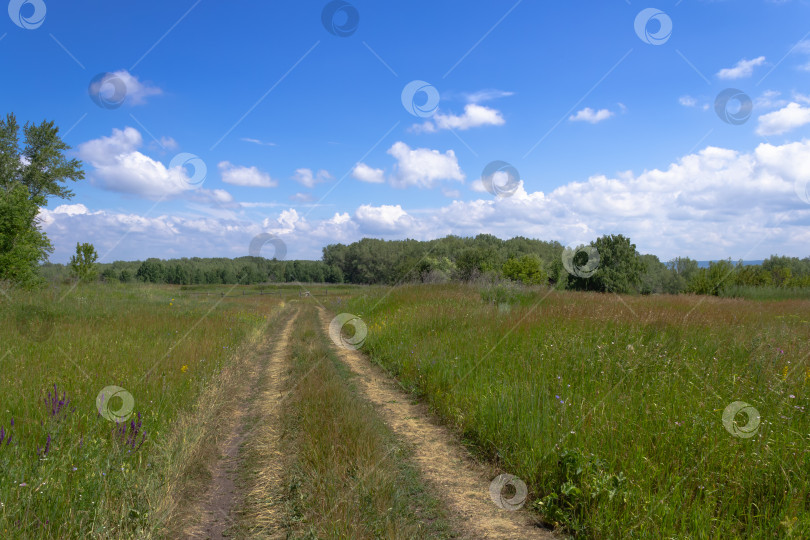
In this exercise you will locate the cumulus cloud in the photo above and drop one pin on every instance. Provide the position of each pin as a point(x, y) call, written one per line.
point(788, 118)
point(119, 166)
point(308, 179)
point(423, 167)
point(364, 173)
point(591, 116)
point(385, 218)
point(714, 203)
point(245, 176)
point(474, 116)
point(742, 69)
point(136, 91)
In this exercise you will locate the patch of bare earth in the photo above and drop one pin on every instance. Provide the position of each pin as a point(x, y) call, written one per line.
point(223, 497)
point(461, 482)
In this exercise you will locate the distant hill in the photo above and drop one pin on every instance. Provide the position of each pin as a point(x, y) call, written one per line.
point(705, 264)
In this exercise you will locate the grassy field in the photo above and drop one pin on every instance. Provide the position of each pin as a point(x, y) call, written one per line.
point(69, 471)
point(612, 408)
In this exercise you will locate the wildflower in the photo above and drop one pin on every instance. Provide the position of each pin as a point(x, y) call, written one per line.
point(785, 373)
point(184, 368)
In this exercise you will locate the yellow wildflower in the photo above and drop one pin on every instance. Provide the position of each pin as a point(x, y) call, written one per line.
point(184, 369)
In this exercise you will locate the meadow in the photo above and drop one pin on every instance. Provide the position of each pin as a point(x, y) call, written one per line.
point(71, 467)
point(611, 408)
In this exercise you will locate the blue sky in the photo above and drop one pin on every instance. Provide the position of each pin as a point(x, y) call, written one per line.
point(303, 132)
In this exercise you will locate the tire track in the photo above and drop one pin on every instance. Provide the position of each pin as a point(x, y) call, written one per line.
point(223, 497)
point(444, 463)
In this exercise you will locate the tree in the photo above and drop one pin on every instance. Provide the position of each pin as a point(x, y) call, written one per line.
point(28, 177)
point(619, 270)
point(527, 269)
point(151, 271)
point(22, 244)
point(83, 263)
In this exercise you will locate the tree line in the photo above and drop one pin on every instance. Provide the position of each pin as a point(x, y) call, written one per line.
point(611, 263)
point(36, 169)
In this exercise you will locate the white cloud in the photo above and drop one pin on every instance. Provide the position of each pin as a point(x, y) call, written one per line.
point(120, 167)
point(743, 68)
point(308, 179)
point(788, 118)
point(474, 116)
point(70, 209)
point(486, 95)
point(364, 173)
point(687, 101)
point(707, 205)
point(136, 91)
point(245, 176)
point(769, 100)
point(257, 141)
point(385, 218)
point(423, 167)
point(451, 193)
point(302, 197)
point(589, 115)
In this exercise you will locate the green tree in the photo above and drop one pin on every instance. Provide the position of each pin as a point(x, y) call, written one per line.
point(619, 270)
point(83, 263)
point(22, 244)
point(527, 269)
point(28, 177)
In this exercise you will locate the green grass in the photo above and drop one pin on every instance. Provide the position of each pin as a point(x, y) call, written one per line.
point(163, 348)
point(766, 293)
point(610, 408)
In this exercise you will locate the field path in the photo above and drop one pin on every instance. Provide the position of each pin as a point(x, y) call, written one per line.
point(444, 463)
point(223, 497)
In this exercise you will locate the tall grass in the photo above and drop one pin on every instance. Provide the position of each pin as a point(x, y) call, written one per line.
point(766, 293)
point(610, 408)
point(68, 471)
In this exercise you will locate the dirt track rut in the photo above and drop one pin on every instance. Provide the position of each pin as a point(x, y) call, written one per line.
point(444, 463)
